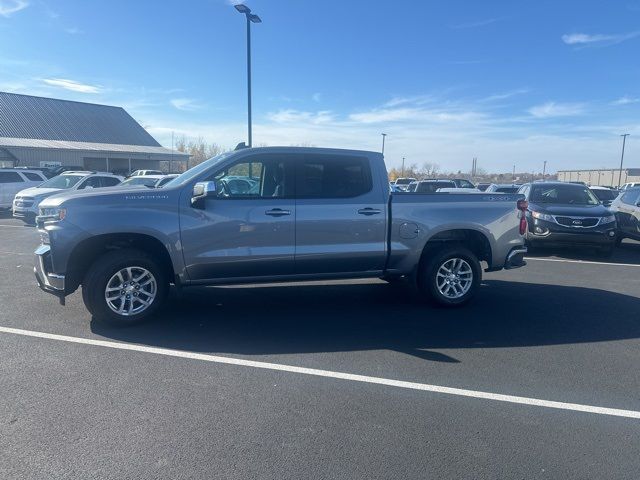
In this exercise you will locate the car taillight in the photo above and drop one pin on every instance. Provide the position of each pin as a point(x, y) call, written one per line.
point(523, 205)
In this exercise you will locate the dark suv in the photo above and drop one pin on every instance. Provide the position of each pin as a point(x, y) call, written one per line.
point(567, 214)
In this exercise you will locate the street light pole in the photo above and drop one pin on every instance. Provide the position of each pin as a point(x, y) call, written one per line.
point(402, 173)
point(251, 18)
point(544, 169)
point(624, 140)
point(383, 137)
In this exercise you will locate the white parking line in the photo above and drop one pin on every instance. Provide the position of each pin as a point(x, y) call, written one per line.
point(12, 226)
point(327, 373)
point(587, 262)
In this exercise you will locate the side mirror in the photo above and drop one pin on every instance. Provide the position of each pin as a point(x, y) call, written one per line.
point(202, 191)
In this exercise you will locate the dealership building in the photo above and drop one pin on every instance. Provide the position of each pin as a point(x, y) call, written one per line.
point(47, 132)
point(605, 177)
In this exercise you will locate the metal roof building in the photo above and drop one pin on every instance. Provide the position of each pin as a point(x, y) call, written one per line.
point(38, 131)
point(607, 177)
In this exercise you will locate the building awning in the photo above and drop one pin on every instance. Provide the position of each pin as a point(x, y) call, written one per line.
point(102, 148)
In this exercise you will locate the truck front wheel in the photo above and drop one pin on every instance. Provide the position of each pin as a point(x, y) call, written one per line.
point(451, 276)
point(124, 287)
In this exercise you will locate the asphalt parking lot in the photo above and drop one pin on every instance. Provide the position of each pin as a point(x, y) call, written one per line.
point(328, 380)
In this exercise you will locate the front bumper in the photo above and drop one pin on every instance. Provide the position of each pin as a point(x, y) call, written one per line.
point(48, 281)
point(552, 233)
point(28, 209)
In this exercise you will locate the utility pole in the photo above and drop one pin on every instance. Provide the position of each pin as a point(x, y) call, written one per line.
point(402, 171)
point(513, 175)
point(251, 18)
point(544, 170)
point(171, 158)
point(383, 137)
point(624, 140)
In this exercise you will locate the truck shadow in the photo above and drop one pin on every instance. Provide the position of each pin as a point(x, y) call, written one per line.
point(628, 252)
point(295, 319)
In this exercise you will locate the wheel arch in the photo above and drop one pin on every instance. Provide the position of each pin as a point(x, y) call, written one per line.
point(87, 252)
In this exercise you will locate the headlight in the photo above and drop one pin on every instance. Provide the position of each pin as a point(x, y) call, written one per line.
point(542, 216)
point(52, 214)
point(608, 219)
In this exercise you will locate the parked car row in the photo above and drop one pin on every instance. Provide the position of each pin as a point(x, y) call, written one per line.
point(22, 190)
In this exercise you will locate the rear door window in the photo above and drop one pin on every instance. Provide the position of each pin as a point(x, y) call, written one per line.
point(10, 177)
point(34, 177)
point(320, 176)
point(109, 181)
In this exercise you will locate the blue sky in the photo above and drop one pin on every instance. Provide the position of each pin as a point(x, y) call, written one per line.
point(509, 82)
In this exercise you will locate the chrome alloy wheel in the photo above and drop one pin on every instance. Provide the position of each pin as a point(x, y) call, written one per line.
point(131, 291)
point(454, 278)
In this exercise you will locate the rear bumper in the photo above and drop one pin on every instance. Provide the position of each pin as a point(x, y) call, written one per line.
point(515, 259)
point(48, 281)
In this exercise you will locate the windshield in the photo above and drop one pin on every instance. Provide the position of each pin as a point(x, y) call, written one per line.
point(506, 189)
point(404, 181)
point(563, 195)
point(432, 187)
point(146, 181)
point(605, 195)
point(197, 170)
point(62, 181)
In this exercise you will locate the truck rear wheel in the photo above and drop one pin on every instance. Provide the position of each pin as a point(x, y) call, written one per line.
point(451, 276)
point(124, 287)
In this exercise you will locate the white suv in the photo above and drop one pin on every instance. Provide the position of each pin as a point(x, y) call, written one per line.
point(12, 180)
point(629, 185)
point(26, 202)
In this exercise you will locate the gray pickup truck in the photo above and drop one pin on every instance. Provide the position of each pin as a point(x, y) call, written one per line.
point(271, 214)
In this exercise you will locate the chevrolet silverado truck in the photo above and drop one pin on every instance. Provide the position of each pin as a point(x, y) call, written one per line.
point(271, 214)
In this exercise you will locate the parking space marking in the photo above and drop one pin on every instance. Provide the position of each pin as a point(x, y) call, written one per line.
point(587, 262)
point(12, 226)
point(330, 374)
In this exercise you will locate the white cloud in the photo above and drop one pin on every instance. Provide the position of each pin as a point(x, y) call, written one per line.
point(394, 115)
point(72, 85)
point(553, 109)
point(478, 23)
point(505, 95)
point(185, 104)
point(288, 116)
point(597, 39)
point(625, 100)
point(447, 132)
point(411, 100)
point(73, 31)
point(9, 7)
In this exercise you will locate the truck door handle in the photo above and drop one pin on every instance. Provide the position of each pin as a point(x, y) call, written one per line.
point(369, 211)
point(277, 212)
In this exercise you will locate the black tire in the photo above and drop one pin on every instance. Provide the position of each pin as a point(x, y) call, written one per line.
point(429, 274)
point(104, 268)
